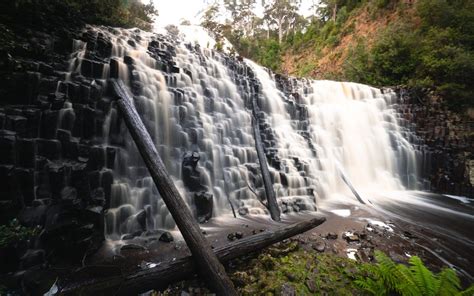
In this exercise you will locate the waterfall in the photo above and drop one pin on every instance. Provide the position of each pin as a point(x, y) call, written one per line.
point(195, 104)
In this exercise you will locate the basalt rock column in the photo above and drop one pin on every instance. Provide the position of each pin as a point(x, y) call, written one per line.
point(209, 266)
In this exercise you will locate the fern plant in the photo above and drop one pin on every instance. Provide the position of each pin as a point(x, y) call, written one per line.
point(386, 278)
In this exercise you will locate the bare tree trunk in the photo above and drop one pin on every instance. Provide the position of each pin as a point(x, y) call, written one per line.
point(280, 31)
point(262, 159)
point(210, 268)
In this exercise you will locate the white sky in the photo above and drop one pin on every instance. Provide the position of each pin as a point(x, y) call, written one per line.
point(173, 11)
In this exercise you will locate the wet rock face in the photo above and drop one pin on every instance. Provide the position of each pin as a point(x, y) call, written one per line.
point(203, 200)
point(204, 203)
point(54, 169)
point(447, 140)
point(191, 176)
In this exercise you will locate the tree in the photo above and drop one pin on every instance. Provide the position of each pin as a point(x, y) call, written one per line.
point(282, 14)
point(242, 15)
point(328, 9)
point(210, 22)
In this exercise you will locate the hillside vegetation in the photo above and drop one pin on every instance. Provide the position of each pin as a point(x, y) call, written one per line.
point(423, 44)
point(68, 13)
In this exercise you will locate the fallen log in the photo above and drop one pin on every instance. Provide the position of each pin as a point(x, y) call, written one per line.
point(210, 269)
point(182, 268)
point(262, 159)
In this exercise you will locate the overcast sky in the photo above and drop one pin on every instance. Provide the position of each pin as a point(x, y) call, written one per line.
point(173, 11)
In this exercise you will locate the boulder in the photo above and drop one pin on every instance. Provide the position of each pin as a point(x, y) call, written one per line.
point(204, 203)
point(191, 176)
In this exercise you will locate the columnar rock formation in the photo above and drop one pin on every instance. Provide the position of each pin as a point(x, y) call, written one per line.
point(67, 162)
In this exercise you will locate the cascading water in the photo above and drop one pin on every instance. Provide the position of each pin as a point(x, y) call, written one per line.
point(193, 99)
point(351, 130)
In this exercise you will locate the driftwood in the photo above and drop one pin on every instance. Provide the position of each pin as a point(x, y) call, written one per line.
point(349, 184)
point(262, 159)
point(182, 268)
point(210, 269)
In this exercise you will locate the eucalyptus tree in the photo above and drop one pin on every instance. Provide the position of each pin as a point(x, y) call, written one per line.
point(210, 21)
point(243, 18)
point(282, 14)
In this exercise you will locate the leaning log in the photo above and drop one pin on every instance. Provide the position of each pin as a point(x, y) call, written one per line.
point(349, 184)
point(183, 268)
point(210, 269)
point(262, 159)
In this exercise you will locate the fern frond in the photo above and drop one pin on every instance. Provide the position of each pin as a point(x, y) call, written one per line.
point(468, 292)
point(422, 276)
point(406, 283)
point(387, 270)
point(374, 287)
point(447, 283)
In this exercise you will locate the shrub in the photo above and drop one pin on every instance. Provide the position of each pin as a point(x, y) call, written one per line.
point(14, 232)
point(51, 13)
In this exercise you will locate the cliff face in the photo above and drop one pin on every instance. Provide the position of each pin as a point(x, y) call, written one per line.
point(448, 138)
point(52, 175)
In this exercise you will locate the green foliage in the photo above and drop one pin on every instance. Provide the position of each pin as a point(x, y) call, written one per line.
point(269, 54)
point(310, 273)
point(51, 13)
point(387, 278)
point(437, 55)
point(14, 232)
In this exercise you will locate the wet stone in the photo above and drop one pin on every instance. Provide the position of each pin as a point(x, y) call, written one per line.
point(141, 219)
point(319, 246)
point(204, 205)
point(7, 148)
point(311, 285)
point(49, 124)
point(166, 237)
point(288, 290)
point(16, 123)
point(351, 237)
point(331, 235)
point(50, 149)
point(243, 211)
